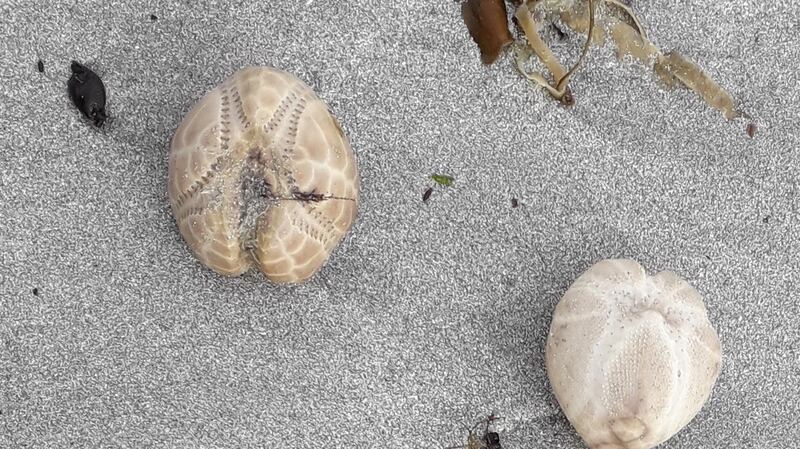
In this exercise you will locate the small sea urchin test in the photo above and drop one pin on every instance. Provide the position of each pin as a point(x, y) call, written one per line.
point(632, 358)
point(262, 175)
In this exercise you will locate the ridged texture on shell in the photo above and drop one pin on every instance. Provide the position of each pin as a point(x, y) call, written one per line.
point(240, 164)
point(632, 358)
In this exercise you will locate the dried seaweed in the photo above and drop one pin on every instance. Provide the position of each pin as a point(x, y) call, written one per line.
point(674, 66)
point(630, 42)
point(537, 46)
point(627, 16)
point(628, 34)
point(530, 26)
point(487, 23)
point(625, 30)
point(600, 21)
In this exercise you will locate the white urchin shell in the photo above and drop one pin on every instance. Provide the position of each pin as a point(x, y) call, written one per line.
point(632, 358)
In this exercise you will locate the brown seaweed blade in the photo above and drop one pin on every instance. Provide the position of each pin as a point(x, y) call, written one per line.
point(627, 15)
point(623, 28)
point(627, 32)
point(487, 23)
point(535, 43)
point(530, 27)
point(674, 66)
point(565, 79)
point(523, 53)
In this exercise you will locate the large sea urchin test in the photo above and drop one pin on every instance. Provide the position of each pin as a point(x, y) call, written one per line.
point(261, 174)
point(632, 358)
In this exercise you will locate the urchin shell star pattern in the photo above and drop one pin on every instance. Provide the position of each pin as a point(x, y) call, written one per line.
point(631, 358)
point(261, 175)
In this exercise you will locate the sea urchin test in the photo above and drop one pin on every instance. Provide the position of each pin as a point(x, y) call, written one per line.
point(632, 358)
point(261, 175)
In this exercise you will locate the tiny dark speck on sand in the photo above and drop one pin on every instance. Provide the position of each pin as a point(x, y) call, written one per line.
point(40, 66)
point(514, 203)
point(427, 194)
point(35, 291)
point(751, 130)
point(766, 219)
point(153, 17)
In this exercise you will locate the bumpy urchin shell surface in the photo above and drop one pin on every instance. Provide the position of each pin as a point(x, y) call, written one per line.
point(631, 358)
point(261, 174)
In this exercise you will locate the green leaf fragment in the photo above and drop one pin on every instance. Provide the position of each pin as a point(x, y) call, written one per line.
point(443, 180)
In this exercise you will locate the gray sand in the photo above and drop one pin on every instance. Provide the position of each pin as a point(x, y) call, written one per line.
point(429, 315)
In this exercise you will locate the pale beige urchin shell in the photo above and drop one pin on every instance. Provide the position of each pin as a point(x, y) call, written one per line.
point(261, 174)
point(632, 358)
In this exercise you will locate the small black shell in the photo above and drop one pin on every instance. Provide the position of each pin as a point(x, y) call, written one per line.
point(87, 93)
point(427, 194)
point(492, 440)
point(40, 66)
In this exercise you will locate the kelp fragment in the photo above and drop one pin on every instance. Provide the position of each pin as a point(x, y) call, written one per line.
point(630, 42)
point(624, 27)
point(530, 26)
point(487, 23)
point(627, 16)
point(673, 66)
point(522, 54)
point(627, 32)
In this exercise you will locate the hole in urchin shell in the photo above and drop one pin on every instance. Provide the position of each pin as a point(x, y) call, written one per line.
point(255, 198)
